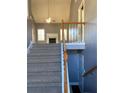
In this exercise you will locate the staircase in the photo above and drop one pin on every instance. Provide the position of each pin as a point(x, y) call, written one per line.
point(44, 69)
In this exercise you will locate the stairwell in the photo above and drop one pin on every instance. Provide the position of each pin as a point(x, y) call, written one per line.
point(44, 69)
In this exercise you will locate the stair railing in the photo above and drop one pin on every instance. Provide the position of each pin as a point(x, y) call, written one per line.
point(66, 87)
point(29, 47)
point(66, 76)
point(62, 67)
point(89, 71)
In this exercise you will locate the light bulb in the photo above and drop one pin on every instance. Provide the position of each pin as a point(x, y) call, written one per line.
point(48, 20)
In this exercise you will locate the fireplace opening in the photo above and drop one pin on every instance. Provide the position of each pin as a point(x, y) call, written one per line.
point(52, 40)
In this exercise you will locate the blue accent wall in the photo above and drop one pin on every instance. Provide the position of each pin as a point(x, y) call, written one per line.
point(90, 58)
point(73, 66)
point(90, 52)
point(76, 67)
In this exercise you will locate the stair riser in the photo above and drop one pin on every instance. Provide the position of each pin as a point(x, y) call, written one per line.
point(39, 84)
point(44, 67)
point(44, 90)
point(44, 79)
point(43, 54)
point(56, 73)
point(45, 47)
point(44, 61)
point(50, 44)
point(43, 57)
point(45, 51)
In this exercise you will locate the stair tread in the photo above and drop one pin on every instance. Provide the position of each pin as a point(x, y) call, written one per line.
point(44, 79)
point(39, 61)
point(47, 45)
point(44, 89)
point(39, 84)
point(43, 61)
point(44, 51)
point(45, 73)
point(43, 66)
point(45, 55)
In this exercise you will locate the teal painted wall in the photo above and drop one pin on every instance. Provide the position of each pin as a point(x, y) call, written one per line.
point(90, 53)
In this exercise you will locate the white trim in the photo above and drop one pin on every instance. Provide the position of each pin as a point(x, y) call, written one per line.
point(79, 16)
point(29, 47)
point(65, 34)
point(52, 35)
point(74, 45)
point(68, 78)
point(62, 67)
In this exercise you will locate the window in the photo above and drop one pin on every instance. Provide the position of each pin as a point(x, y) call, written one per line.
point(41, 34)
point(65, 34)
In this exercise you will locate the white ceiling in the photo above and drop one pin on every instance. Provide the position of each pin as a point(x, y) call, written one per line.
point(58, 10)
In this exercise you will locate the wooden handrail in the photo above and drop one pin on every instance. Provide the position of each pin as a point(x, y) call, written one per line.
point(65, 72)
point(65, 61)
point(73, 22)
point(90, 71)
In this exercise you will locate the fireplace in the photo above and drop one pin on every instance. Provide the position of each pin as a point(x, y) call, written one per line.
point(52, 38)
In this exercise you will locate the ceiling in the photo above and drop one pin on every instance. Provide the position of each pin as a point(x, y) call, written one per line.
point(58, 10)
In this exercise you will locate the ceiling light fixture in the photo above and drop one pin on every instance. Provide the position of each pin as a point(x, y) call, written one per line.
point(48, 20)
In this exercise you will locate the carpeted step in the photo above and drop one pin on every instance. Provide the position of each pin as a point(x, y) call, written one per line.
point(46, 48)
point(44, 79)
point(46, 45)
point(43, 60)
point(44, 73)
point(44, 89)
point(39, 84)
point(43, 57)
point(44, 54)
point(44, 51)
point(44, 76)
point(44, 67)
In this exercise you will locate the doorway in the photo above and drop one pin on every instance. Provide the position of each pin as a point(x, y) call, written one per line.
point(75, 89)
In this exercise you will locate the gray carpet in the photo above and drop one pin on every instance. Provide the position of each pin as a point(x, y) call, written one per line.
point(44, 69)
